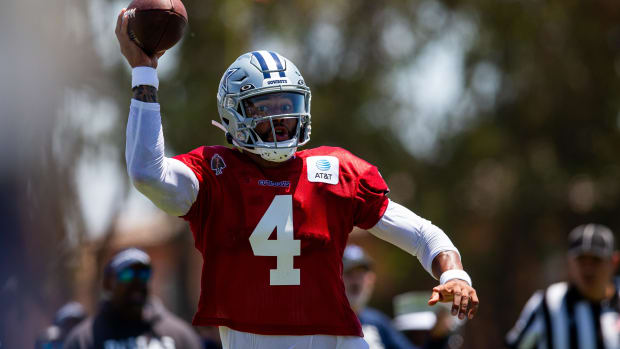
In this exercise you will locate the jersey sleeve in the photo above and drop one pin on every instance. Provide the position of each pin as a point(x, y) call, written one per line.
point(195, 160)
point(370, 198)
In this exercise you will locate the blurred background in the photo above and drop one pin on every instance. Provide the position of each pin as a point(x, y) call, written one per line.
point(497, 120)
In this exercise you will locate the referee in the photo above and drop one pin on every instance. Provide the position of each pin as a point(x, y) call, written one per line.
point(582, 313)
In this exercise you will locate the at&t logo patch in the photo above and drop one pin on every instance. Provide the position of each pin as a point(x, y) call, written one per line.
point(323, 165)
point(323, 169)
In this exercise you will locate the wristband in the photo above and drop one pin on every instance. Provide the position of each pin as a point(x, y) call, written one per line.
point(454, 274)
point(144, 76)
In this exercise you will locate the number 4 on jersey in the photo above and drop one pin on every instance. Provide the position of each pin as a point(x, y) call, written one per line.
point(279, 215)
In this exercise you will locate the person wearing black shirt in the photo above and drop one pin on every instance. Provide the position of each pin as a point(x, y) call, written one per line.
point(65, 319)
point(359, 281)
point(128, 318)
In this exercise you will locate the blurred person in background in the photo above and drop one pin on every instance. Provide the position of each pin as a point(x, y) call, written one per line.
point(381, 332)
point(288, 291)
point(359, 283)
point(582, 312)
point(128, 317)
point(65, 319)
point(432, 328)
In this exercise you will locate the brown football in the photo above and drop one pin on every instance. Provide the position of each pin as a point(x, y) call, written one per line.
point(156, 25)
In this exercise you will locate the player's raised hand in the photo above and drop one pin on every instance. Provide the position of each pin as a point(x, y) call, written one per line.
point(133, 53)
point(462, 296)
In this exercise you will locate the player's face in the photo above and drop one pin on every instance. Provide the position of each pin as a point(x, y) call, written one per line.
point(130, 287)
point(591, 274)
point(275, 104)
point(358, 283)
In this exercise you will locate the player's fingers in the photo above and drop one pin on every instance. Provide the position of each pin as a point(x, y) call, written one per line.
point(473, 309)
point(124, 22)
point(119, 20)
point(464, 304)
point(456, 301)
point(434, 297)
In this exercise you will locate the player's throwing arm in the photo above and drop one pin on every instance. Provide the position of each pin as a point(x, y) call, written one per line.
point(437, 254)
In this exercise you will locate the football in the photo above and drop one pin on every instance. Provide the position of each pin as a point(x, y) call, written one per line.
point(156, 25)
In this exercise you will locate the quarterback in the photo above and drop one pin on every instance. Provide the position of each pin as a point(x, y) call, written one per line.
point(270, 221)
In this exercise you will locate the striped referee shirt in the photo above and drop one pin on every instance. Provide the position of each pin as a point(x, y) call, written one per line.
point(560, 318)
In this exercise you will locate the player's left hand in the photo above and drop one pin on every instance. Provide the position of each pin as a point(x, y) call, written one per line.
point(463, 297)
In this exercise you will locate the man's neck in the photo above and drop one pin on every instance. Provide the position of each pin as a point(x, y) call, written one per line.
point(600, 295)
point(123, 312)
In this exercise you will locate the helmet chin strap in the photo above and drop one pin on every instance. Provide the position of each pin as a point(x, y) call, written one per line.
point(218, 125)
point(233, 141)
point(258, 151)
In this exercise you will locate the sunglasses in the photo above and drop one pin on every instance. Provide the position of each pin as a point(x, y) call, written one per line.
point(128, 275)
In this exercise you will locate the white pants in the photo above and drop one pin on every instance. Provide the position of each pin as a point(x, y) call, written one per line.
point(232, 339)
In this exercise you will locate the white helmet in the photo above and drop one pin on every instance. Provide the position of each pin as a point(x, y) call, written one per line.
point(260, 93)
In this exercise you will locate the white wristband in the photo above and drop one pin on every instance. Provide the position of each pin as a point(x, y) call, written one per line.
point(454, 274)
point(144, 76)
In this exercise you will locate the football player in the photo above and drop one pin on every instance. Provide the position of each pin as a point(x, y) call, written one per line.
point(272, 222)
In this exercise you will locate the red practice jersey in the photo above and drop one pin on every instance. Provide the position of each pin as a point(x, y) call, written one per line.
point(272, 239)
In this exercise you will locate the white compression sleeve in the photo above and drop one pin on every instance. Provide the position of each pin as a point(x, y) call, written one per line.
point(167, 182)
point(412, 233)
